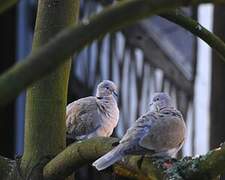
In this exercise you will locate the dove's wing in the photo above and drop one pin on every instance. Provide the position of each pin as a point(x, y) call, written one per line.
point(82, 117)
point(140, 127)
point(166, 133)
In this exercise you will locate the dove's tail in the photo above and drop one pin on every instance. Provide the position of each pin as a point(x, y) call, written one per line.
point(111, 157)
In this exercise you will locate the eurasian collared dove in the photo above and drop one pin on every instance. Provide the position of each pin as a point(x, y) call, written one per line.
point(159, 132)
point(95, 115)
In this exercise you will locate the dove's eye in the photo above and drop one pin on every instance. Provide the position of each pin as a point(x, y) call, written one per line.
point(157, 99)
point(107, 87)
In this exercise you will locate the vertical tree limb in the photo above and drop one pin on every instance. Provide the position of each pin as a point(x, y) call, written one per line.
point(217, 105)
point(46, 99)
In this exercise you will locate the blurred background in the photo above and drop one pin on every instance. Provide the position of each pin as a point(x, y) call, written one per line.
point(150, 56)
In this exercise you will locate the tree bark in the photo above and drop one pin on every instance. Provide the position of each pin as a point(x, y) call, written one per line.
point(46, 99)
point(76, 155)
point(217, 131)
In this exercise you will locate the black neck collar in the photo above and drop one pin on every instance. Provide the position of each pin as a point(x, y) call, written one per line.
point(165, 107)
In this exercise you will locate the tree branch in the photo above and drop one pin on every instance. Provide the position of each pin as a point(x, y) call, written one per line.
point(197, 29)
point(84, 152)
point(73, 157)
point(6, 4)
point(205, 167)
point(76, 155)
point(139, 168)
point(45, 59)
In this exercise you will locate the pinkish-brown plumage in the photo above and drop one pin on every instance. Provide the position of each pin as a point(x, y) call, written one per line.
point(158, 132)
point(95, 115)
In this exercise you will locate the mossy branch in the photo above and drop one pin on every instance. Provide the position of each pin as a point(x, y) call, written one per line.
point(205, 167)
point(6, 4)
point(45, 59)
point(139, 168)
point(84, 152)
point(76, 155)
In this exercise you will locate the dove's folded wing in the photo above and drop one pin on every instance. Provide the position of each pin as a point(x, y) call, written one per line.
point(168, 133)
point(82, 117)
point(140, 127)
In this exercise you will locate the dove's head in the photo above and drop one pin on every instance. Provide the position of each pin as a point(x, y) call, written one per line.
point(160, 101)
point(106, 88)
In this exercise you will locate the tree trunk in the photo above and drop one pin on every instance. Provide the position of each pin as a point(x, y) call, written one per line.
point(46, 99)
point(217, 132)
point(8, 41)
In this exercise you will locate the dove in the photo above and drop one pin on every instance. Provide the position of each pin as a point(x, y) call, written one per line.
point(159, 132)
point(95, 115)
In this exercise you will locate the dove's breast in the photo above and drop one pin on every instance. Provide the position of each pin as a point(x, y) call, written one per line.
point(109, 113)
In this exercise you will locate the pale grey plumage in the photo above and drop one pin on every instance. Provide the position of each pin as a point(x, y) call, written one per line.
point(159, 132)
point(95, 115)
